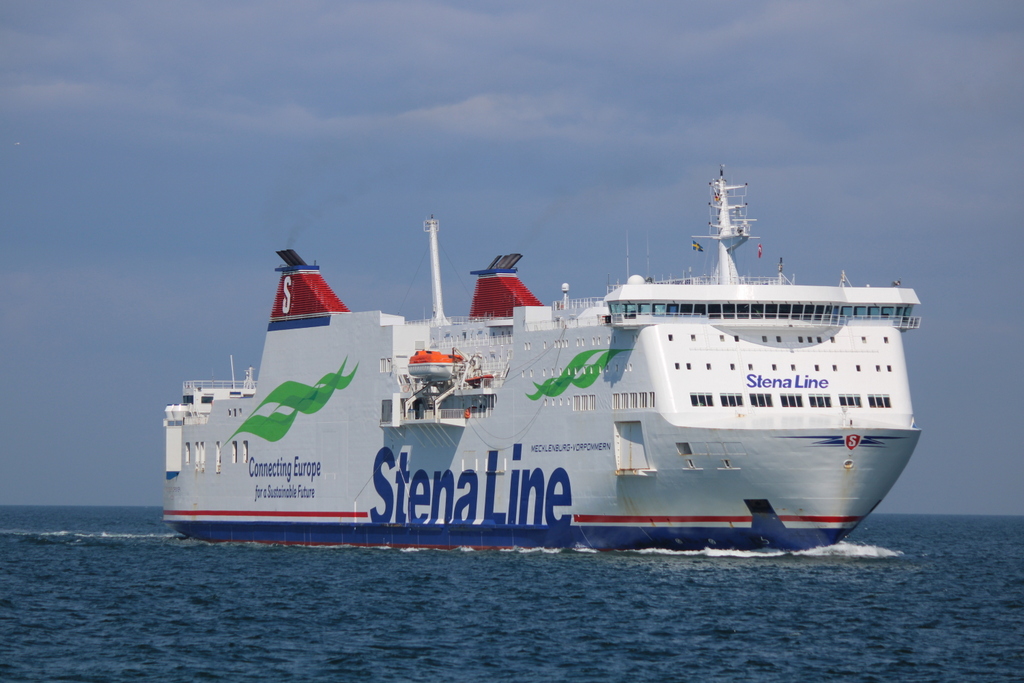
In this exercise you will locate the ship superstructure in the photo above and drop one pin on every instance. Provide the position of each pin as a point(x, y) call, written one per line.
point(721, 411)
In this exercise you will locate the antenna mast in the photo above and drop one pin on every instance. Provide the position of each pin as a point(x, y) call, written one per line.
point(730, 225)
point(431, 226)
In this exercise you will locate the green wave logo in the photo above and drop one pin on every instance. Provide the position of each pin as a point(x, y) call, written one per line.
point(291, 398)
point(577, 373)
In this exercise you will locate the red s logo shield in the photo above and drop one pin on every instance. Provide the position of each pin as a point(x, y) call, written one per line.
point(852, 440)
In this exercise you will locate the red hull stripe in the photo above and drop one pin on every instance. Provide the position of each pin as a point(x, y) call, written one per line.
point(262, 513)
point(579, 519)
point(669, 519)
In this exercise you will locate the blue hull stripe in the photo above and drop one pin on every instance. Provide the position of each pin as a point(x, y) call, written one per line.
point(599, 537)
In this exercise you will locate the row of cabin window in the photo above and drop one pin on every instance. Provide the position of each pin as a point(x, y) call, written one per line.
point(778, 339)
point(200, 450)
point(775, 367)
point(759, 311)
point(699, 399)
point(630, 400)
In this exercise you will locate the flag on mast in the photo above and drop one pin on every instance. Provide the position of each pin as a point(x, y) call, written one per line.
point(697, 247)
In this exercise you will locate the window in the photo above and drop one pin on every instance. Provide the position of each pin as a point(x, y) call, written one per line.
point(702, 399)
point(732, 400)
point(858, 368)
point(670, 337)
point(234, 452)
point(774, 367)
point(688, 367)
point(750, 366)
point(791, 400)
point(385, 365)
point(764, 338)
point(793, 368)
point(693, 337)
point(888, 368)
point(761, 400)
point(188, 453)
point(709, 366)
point(732, 366)
point(245, 451)
point(879, 401)
point(630, 400)
point(800, 340)
point(835, 368)
point(819, 401)
point(585, 402)
point(816, 368)
point(778, 339)
point(885, 339)
point(677, 366)
point(849, 400)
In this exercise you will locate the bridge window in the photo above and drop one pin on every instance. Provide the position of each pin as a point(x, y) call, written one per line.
point(879, 401)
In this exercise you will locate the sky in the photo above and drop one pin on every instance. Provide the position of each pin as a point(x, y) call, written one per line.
point(154, 156)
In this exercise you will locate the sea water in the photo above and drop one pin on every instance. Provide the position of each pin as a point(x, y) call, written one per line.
point(111, 594)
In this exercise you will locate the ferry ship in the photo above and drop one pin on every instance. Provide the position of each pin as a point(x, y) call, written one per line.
point(719, 411)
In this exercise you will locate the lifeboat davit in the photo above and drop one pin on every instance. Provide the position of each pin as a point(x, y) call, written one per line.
point(432, 366)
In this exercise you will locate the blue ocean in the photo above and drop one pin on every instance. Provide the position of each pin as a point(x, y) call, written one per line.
point(111, 594)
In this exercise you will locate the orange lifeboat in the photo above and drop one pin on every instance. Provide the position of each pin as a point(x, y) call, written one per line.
point(432, 366)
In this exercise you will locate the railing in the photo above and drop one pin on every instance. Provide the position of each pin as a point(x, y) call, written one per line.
point(218, 384)
point(570, 323)
point(713, 280)
point(452, 320)
point(577, 304)
point(473, 342)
